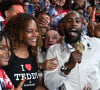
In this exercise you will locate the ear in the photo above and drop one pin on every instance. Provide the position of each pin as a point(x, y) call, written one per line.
point(6, 14)
point(61, 29)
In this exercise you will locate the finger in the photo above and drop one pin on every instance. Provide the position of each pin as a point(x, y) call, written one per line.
point(53, 59)
point(77, 51)
point(21, 83)
point(84, 88)
point(52, 68)
point(45, 20)
point(53, 62)
point(78, 59)
point(88, 88)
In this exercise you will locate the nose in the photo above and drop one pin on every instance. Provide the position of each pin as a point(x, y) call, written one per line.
point(35, 34)
point(50, 39)
point(74, 23)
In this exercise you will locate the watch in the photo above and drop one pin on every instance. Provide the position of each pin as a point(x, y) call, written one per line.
point(65, 69)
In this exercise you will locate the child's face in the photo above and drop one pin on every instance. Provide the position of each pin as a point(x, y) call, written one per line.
point(5, 53)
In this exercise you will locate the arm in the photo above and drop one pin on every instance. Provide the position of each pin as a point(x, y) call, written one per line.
point(51, 78)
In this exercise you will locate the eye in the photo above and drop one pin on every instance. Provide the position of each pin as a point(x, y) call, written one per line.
point(69, 21)
point(2, 48)
point(54, 37)
point(78, 21)
point(29, 31)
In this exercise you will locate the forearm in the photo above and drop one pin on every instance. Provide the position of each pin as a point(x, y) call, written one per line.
point(54, 79)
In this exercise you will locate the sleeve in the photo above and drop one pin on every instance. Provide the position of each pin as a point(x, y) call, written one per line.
point(7, 81)
point(53, 79)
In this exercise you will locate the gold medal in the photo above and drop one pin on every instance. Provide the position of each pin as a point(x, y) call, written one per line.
point(80, 46)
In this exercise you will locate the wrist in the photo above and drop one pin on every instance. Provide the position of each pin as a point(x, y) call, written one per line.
point(41, 66)
point(65, 69)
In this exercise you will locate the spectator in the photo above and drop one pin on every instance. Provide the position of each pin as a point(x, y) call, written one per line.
point(52, 37)
point(5, 53)
point(90, 28)
point(9, 8)
point(25, 38)
point(26, 3)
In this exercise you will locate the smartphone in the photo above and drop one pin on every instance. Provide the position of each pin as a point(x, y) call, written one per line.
point(30, 8)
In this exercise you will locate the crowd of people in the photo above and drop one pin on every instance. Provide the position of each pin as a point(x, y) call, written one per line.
point(49, 44)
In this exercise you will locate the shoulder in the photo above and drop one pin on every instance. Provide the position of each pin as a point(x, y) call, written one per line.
point(55, 47)
point(94, 40)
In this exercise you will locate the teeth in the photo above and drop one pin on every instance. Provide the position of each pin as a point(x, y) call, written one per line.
point(33, 40)
point(73, 29)
point(5, 57)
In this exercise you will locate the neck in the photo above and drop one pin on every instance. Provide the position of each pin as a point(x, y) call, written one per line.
point(22, 51)
point(71, 43)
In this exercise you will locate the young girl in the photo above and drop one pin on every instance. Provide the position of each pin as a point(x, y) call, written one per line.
point(5, 53)
point(23, 31)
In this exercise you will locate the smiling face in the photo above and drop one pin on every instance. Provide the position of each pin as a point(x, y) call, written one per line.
point(31, 34)
point(72, 27)
point(4, 52)
point(36, 4)
point(51, 38)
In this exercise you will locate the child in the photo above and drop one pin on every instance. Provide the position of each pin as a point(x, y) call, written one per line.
point(5, 53)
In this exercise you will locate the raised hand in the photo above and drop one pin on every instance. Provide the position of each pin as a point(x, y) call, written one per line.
point(75, 57)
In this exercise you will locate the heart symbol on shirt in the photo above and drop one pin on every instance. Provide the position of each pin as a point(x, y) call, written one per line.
point(28, 67)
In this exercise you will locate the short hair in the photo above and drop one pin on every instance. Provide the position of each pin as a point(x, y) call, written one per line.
point(7, 4)
point(64, 18)
point(26, 1)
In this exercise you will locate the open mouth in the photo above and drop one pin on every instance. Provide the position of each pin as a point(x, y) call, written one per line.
point(6, 59)
point(49, 44)
point(73, 32)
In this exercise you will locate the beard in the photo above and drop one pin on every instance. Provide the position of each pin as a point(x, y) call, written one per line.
point(71, 39)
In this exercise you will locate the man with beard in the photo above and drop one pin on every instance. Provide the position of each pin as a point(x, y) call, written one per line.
point(78, 59)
